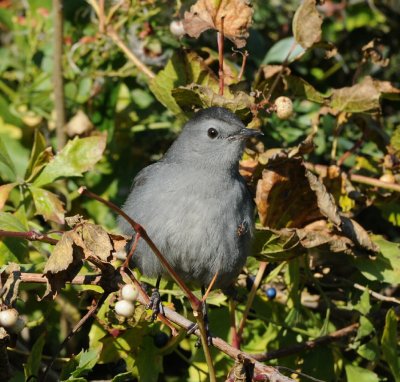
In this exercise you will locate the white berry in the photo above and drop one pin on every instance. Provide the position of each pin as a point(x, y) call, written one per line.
point(129, 293)
point(284, 107)
point(177, 29)
point(124, 308)
point(8, 318)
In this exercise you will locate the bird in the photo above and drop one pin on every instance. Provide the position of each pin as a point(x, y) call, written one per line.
point(194, 204)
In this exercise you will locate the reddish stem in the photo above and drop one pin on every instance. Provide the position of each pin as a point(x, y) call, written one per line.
point(220, 41)
point(29, 235)
point(194, 301)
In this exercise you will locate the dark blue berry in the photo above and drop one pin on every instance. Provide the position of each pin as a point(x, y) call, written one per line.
point(160, 339)
point(270, 293)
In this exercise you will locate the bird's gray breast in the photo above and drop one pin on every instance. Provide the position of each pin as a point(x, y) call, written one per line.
point(201, 223)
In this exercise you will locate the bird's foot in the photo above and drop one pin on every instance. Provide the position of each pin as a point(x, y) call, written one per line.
point(155, 304)
point(194, 327)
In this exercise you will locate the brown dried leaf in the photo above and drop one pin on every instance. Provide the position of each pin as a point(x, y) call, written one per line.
point(5, 190)
point(63, 264)
point(208, 14)
point(307, 24)
point(79, 124)
point(326, 202)
point(281, 190)
point(118, 241)
point(96, 242)
point(9, 291)
point(358, 234)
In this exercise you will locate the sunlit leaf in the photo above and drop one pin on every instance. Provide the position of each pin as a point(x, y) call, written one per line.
point(48, 204)
point(389, 342)
point(307, 24)
point(78, 156)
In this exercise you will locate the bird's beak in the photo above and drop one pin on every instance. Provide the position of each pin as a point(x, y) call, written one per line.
point(246, 133)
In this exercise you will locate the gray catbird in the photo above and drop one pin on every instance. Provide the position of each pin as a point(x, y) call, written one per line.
point(194, 204)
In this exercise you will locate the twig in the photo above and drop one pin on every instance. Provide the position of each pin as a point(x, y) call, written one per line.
point(322, 169)
point(177, 319)
point(139, 229)
point(220, 41)
point(144, 299)
point(307, 345)
point(277, 78)
point(355, 147)
point(232, 316)
point(132, 250)
point(210, 287)
point(244, 61)
point(98, 7)
point(376, 295)
point(139, 64)
point(196, 304)
point(29, 235)
point(253, 291)
point(59, 101)
point(76, 328)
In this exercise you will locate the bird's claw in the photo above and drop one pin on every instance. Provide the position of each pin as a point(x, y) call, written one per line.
point(155, 304)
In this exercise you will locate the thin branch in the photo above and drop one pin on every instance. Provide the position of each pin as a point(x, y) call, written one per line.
point(322, 169)
point(177, 319)
point(194, 301)
point(377, 295)
point(139, 64)
point(220, 41)
point(278, 77)
point(196, 304)
point(307, 345)
point(29, 235)
point(59, 101)
point(144, 299)
point(95, 306)
point(250, 299)
point(244, 61)
point(355, 147)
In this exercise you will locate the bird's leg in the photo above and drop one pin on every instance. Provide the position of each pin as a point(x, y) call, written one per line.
point(155, 301)
point(206, 324)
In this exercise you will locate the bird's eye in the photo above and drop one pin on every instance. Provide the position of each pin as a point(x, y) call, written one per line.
point(212, 133)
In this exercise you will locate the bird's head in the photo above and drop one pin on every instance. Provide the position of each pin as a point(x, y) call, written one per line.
point(214, 137)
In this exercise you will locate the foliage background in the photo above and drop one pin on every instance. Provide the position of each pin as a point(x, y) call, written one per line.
point(317, 291)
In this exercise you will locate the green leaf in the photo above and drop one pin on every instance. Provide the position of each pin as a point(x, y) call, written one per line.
point(307, 24)
point(31, 368)
point(370, 351)
point(363, 305)
point(385, 266)
point(37, 159)
point(303, 89)
point(202, 96)
point(47, 204)
point(357, 374)
point(78, 156)
point(6, 164)
point(358, 98)
point(395, 139)
point(280, 50)
point(12, 249)
point(87, 359)
point(389, 342)
point(366, 327)
point(182, 69)
point(270, 246)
